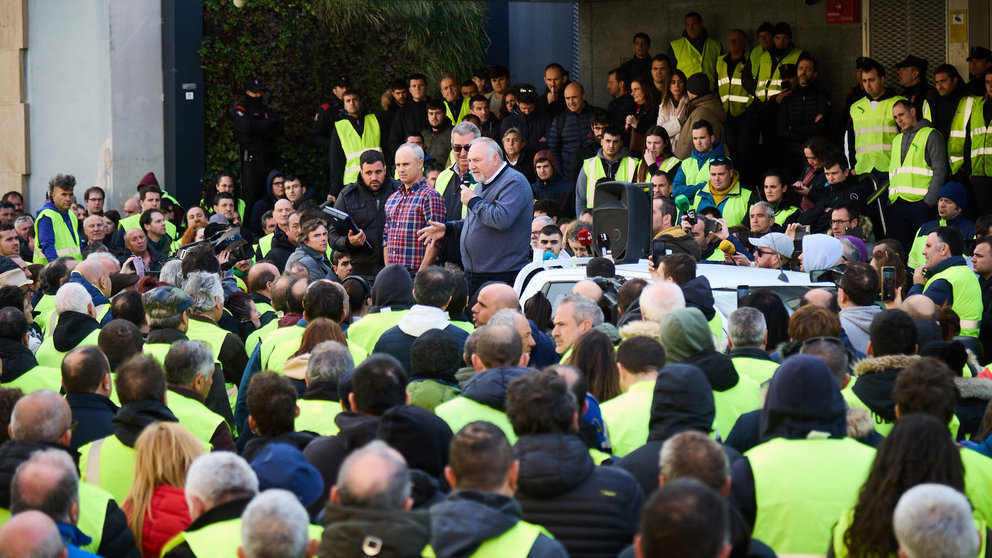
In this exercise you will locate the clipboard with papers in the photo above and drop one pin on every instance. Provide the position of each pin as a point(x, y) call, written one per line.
point(342, 223)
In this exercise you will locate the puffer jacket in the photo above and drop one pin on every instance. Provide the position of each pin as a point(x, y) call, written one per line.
point(574, 129)
point(368, 210)
point(876, 378)
point(167, 517)
point(593, 511)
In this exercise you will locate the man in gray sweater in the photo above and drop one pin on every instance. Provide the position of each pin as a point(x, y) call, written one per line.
point(494, 235)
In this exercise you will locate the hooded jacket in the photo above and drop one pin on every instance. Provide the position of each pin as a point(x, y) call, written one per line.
point(423, 439)
point(698, 294)
point(16, 358)
point(327, 453)
point(368, 210)
point(683, 400)
point(705, 107)
point(398, 340)
point(403, 534)
point(469, 518)
point(316, 263)
point(393, 289)
point(876, 378)
point(265, 203)
point(281, 249)
point(99, 299)
point(828, 196)
point(592, 511)
point(71, 329)
point(855, 321)
point(679, 242)
point(136, 415)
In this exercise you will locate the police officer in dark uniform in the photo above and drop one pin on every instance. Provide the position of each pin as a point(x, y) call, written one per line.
point(913, 79)
point(329, 113)
point(257, 129)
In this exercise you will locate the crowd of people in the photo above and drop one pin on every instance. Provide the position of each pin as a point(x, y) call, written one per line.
point(347, 370)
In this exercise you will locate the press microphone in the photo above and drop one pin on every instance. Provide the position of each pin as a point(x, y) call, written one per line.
point(682, 203)
point(585, 237)
point(727, 247)
point(604, 244)
point(549, 255)
point(467, 179)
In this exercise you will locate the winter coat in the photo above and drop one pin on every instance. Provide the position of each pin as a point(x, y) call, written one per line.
point(403, 534)
point(876, 378)
point(93, 414)
point(398, 340)
point(574, 129)
point(855, 321)
point(71, 329)
point(829, 196)
point(281, 249)
point(797, 118)
point(469, 518)
point(298, 440)
point(265, 203)
point(16, 359)
point(368, 210)
point(317, 264)
point(593, 511)
point(327, 453)
point(428, 393)
point(559, 190)
point(705, 107)
point(680, 242)
point(168, 516)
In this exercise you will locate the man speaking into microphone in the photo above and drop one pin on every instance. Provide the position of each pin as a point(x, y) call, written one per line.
point(494, 235)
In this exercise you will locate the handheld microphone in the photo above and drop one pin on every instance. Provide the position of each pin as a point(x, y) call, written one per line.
point(549, 255)
point(604, 244)
point(585, 237)
point(727, 247)
point(682, 203)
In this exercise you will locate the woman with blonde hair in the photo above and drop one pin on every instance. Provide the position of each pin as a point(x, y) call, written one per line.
point(156, 505)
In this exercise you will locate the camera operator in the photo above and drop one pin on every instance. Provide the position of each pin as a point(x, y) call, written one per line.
point(714, 239)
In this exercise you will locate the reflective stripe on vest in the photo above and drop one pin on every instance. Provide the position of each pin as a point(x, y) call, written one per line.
point(317, 415)
point(595, 172)
point(802, 486)
point(670, 163)
point(109, 464)
point(734, 97)
point(981, 141)
point(37, 378)
point(958, 132)
point(967, 296)
point(353, 145)
point(770, 82)
point(874, 130)
point(66, 241)
point(444, 179)
point(909, 175)
point(691, 61)
point(194, 416)
point(461, 410)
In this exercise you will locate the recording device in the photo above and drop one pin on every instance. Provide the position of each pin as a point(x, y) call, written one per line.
point(888, 283)
point(585, 238)
point(658, 251)
point(227, 239)
point(604, 244)
point(682, 203)
point(548, 255)
point(853, 231)
point(801, 231)
point(742, 292)
point(710, 225)
point(727, 247)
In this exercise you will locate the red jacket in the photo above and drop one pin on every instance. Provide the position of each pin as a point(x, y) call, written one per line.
point(168, 516)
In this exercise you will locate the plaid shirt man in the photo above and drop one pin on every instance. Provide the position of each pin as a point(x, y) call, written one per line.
point(407, 211)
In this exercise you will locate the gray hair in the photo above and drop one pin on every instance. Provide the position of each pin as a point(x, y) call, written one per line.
point(851, 253)
point(274, 525)
point(204, 287)
point(464, 129)
point(746, 327)
point(492, 148)
point(40, 416)
point(72, 297)
point(935, 521)
point(374, 477)
point(24, 218)
point(660, 298)
point(694, 454)
point(417, 150)
point(217, 477)
point(186, 360)
point(328, 362)
point(768, 210)
point(172, 272)
point(543, 219)
point(106, 256)
point(506, 317)
point(832, 352)
point(58, 501)
point(583, 309)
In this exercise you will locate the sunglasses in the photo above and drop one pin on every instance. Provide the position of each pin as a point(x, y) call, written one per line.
point(459, 148)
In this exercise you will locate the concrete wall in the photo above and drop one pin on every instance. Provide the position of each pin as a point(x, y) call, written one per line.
point(94, 87)
point(13, 112)
point(606, 30)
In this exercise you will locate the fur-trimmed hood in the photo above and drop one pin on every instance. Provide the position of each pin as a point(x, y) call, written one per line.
point(860, 424)
point(974, 388)
point(880, 364)
point(644, 328)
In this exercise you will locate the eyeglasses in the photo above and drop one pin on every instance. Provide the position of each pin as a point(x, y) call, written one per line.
point(459, 148)
point(840, 221)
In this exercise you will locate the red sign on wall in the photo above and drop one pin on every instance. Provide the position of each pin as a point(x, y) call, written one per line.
point(843, 11)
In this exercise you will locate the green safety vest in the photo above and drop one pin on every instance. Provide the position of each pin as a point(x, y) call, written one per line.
point(45, 309)
point(353, 145)
point(909, 175)
point(755, 56)
point(37, 378)
point(366, 332)
point(734, 402)
point(758, 370)
point(515, 542)
point(48, 356)
point(978, 482)
point(109, 464)
point(695, 174)
point(66, 241)
point(626, 172)
point(317, 415)
point(802, 486)
point(916, 258)
point(133, 222)
point(959, 129)
point(967, 296)
point(194, 416)
point(782, 215)
point(769, 78)
point(211, 334)
point(256, 336)
point(291, 333)
point(221, 539)
point(981, 141)
point(442, 184)
point(461, 410)
point(874, 130)
point(734, 97)
point(847, 519)
point(284, 351)
point(93, 502)
point(465, 109)
point(734, 205)
point(264, 245)
point(627, 417)
point(691, 61)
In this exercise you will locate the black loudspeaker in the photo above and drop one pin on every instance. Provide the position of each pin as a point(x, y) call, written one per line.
point(622, 211)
